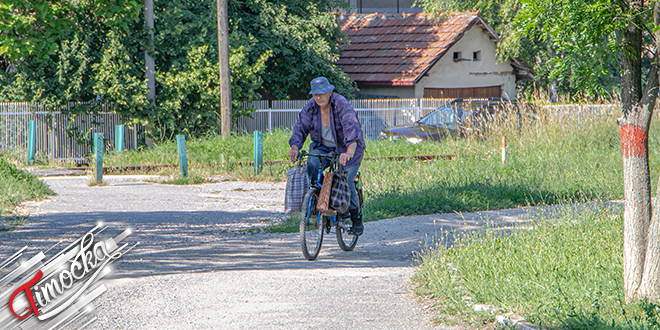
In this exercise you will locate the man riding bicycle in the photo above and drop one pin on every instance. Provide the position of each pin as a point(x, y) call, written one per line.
point(332, 124)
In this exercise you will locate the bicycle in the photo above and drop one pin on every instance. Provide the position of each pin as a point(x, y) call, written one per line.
point(314, 224)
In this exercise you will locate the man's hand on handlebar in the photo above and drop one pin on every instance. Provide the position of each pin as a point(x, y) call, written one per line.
point(293, 154)
point(348, 155)
point(345, 157)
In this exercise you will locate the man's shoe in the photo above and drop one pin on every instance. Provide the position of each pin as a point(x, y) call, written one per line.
point(356, 218)
point(358, 230)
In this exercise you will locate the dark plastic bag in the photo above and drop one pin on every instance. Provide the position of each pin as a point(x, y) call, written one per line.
point(340, 196)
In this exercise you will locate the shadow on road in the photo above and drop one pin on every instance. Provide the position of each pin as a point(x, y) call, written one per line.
point(190, 242)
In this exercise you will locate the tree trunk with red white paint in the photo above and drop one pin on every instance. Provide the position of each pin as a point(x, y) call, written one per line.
point(641, 226)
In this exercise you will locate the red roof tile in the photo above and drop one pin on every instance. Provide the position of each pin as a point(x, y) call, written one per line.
point(397, 49)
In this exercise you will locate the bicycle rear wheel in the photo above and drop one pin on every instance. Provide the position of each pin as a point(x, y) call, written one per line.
point(348, 242)
point(311, 226)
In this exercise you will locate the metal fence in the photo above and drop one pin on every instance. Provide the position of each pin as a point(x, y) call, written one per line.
point(378, 114)
point(64, 137)
point(581, 109)
point(58, 135)
point(374, 115)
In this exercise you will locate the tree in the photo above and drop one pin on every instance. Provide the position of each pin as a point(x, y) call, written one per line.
point(641, 220)
point(93, 53)
point(628, 27)
point(539, 41)
point(301, 38)
point(629, 31)
point(48, 47)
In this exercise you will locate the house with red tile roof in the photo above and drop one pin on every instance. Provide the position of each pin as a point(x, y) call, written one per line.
point(414, 55)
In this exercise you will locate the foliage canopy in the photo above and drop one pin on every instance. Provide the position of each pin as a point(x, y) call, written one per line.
point(93, 52)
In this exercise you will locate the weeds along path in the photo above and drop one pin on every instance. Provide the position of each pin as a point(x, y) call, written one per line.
point(200, 265)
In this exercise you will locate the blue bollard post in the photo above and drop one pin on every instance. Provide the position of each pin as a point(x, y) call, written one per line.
point(98, 151)
point(32, 138)
point(258, 152)
point(183, 159)
point(119, 138)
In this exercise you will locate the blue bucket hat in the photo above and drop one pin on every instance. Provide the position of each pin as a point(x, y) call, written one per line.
point(321, 85)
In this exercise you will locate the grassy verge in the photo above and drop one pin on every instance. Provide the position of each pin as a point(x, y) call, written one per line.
point(17, 185)
point(290, 225)
point(564, 274)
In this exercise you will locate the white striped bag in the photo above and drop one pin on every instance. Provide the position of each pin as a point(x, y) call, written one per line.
point(297, 184)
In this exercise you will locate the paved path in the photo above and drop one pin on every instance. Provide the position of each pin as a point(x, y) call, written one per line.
point(194, 269)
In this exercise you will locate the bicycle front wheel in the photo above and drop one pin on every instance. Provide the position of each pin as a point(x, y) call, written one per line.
point(311, 226)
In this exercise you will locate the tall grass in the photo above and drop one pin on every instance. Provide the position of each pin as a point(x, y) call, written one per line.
point(566, 273)
point(18, 185)
point(565, 270)
point(549, 160)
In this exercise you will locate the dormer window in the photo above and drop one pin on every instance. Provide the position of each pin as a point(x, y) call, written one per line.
point(457, 56)
point(476, 56)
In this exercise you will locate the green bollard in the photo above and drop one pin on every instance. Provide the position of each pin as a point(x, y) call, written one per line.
point(183, 160)
point(32, 138)
point(258, 152)
point(98, 151)
point(119, 138)
point(94, 146)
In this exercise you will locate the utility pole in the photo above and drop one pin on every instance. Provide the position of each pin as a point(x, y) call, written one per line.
point(223, 61)
point(150, 63)
point(149, 72)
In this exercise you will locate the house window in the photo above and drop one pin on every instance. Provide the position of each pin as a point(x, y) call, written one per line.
point(457, 56)
point(476, 56)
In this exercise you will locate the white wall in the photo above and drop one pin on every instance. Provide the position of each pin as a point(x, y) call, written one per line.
point(487, 72)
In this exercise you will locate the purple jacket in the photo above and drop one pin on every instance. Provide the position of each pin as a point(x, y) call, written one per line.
point(343, 121)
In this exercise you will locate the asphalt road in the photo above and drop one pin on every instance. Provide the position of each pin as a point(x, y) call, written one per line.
point(197, 268)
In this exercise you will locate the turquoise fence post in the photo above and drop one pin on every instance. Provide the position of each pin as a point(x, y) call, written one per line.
point(98, 151)
point(119, 138)
point(32, 138)
point(258, 151)
point(183, 159)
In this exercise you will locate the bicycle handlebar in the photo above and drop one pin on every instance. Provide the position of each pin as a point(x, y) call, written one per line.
point(331, 154)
